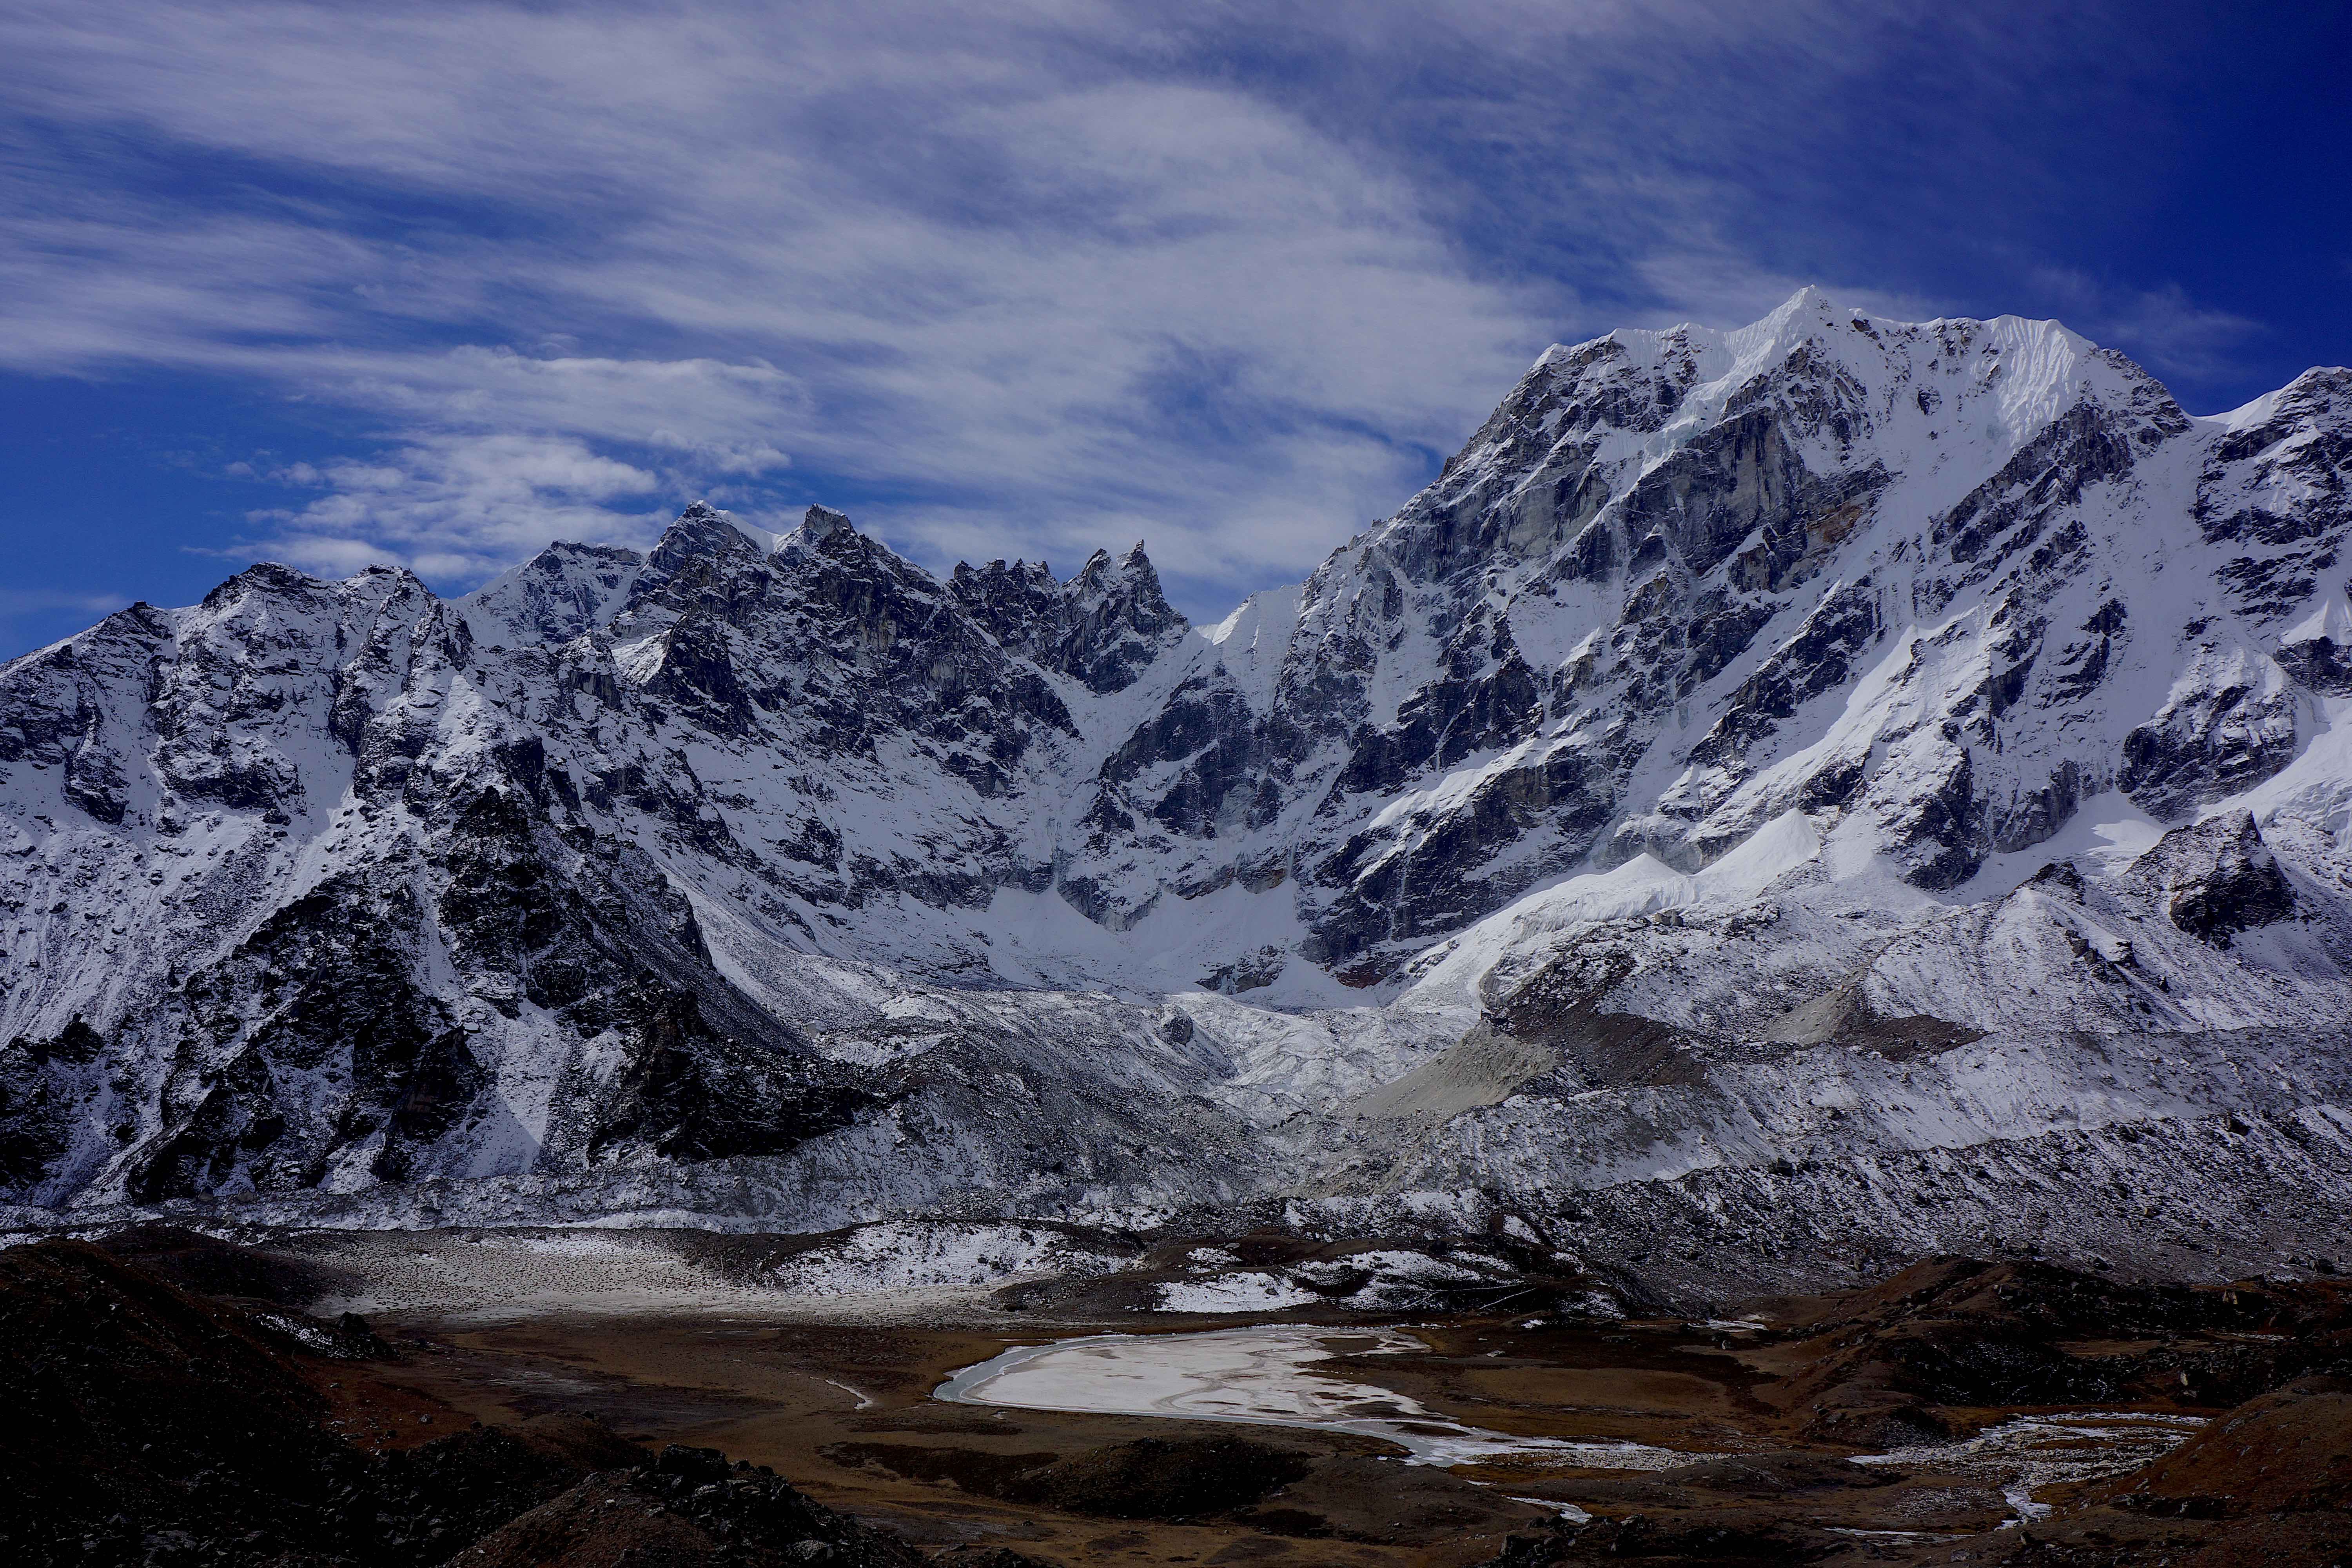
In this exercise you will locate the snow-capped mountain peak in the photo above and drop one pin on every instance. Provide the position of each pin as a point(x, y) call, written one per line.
point(1782, 689)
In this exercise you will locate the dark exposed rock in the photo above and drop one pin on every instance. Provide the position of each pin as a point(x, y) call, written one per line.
point(206, 1266)
point(2318, 664)
point(2014, 510)
point(1818, 659)
point(2218, 878)
point(2282, 487)
point(346, 1011)
point(1936, 826)
point(1102, 627)
point(1212, 733)
point(1958, 1332)
point(1488, 699)
point(1745, 479)
point(684, 1092)
point(46, 1089)
point(2211, 742)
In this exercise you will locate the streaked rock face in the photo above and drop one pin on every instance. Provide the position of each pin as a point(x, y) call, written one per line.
point(1732, 704)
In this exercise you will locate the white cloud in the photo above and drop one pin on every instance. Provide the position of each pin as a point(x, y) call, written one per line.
point(1036, 296)
point(1039, 277)
point(28, 601)
point(458, 506)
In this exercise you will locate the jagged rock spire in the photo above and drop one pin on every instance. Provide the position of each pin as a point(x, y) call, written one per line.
point(822, 522)
point(1102, 627)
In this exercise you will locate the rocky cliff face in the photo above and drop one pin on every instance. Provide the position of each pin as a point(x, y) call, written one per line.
point(1738, 716)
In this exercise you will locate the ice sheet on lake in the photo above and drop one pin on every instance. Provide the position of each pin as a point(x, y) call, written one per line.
point(1265, 1376)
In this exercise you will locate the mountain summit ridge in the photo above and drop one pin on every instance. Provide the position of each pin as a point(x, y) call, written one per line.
point(1877, 661)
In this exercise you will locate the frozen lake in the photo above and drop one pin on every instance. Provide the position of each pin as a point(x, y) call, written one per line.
point(1266, 1376)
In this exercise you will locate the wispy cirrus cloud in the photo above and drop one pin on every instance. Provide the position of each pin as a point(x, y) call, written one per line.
point(19, 601)
point(1019, 278)
point(2163, 326)
point(1005, 312)
point(458, 505)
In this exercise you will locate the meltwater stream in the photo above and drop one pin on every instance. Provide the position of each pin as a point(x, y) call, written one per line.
point(1265, 1376)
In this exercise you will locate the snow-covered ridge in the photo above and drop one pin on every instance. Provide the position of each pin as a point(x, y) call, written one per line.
point(1830, 686)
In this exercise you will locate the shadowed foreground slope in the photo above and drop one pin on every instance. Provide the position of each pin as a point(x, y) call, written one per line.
point(150, 1425)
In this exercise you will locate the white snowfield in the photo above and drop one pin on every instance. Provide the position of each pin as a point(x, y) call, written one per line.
point(1782, 799)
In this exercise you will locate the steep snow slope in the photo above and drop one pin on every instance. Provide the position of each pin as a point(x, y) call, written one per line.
point(1765, 768)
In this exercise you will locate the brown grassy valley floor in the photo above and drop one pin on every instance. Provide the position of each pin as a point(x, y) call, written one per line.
point(184, 1401)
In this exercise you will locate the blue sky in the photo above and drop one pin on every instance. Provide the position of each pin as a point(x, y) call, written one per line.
point(434, 284)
